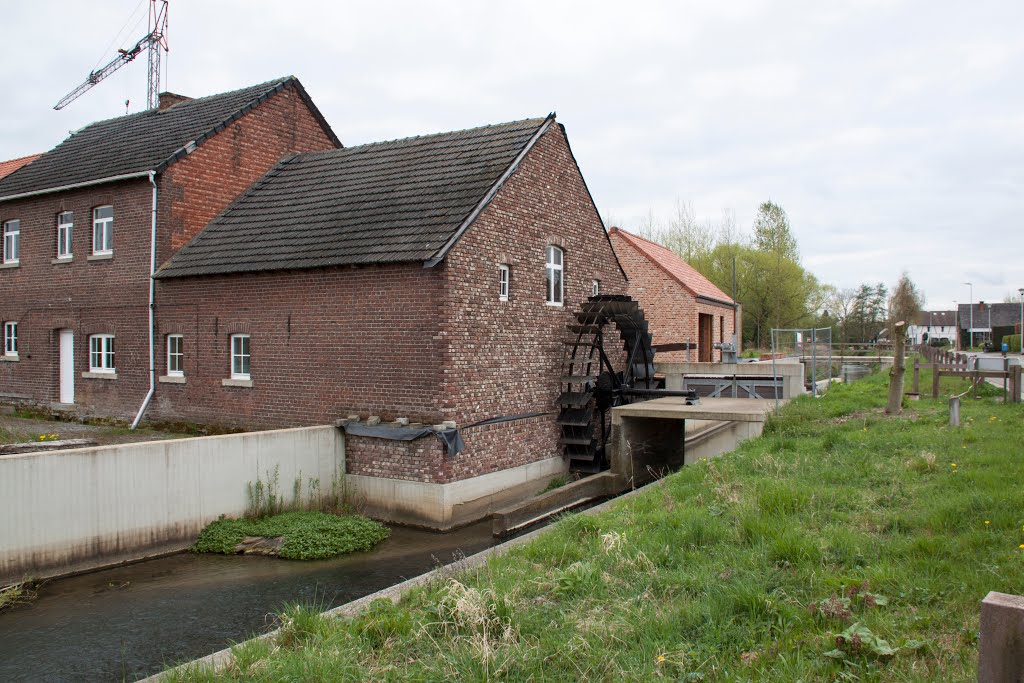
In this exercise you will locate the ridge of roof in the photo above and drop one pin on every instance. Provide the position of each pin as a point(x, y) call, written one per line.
point(395, 201)
point(674, 266)
point(148, 141)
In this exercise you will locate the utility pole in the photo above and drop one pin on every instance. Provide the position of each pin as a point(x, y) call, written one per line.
point(971, 323)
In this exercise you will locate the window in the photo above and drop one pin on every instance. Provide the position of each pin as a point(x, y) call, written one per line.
point(239, 356)
point(595, 288)
point(11, 339)
point(101, 353)
point(503, 280)
point(553, 276)
point(65, 222)
point(12, 241)
point(175, 355)
point(103, 230)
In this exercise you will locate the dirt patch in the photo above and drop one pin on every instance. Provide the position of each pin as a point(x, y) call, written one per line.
point(14, 429)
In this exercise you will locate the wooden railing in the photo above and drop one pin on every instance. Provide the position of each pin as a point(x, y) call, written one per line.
point(944, 363)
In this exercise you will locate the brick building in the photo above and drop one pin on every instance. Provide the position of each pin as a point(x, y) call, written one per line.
point(85, 222)
point(682, 305)
point(297, 282)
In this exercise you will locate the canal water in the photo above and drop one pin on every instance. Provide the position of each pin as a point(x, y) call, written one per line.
point(126, 623)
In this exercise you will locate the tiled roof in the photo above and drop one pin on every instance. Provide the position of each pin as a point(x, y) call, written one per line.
point(1000, 314)
point(12, 165)
point(678, 269)
point(936, 319)
point(387, 202)
point(147, 141)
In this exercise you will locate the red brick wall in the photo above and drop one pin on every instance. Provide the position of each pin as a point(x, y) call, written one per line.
point(87, 296)
point(504, 358)
point(669, 307)
point(200, 186)
point(324, 343)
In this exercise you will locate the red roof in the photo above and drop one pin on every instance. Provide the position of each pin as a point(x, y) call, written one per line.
point(678, 269)
point(9, 167)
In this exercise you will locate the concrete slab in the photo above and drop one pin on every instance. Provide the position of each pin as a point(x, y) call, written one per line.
point(718, 409)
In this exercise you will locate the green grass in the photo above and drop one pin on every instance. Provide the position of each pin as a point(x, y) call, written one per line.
point(308, 535)
point(842, 545)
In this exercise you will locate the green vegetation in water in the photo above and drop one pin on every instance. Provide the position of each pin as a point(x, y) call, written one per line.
point(841, 545)
point(17, 594)
point(308, 534)
point(556, 483)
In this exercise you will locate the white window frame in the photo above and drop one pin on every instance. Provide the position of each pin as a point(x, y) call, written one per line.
point(12, 241)
point(554, 296)
point(175, 350)
point(101, 351)
point(103, 228)
point(11, 339)
point(241, 351)
point(65, 228)
point(504, 281)
point(595, 288)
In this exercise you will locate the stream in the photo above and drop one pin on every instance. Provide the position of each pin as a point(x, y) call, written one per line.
point(126, 623)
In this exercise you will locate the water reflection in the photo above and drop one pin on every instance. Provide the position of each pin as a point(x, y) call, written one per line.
point(126, 623)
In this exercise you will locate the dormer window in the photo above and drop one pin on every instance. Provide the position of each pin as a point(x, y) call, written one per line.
point(103, 230)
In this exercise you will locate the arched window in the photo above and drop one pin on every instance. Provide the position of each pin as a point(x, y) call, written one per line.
point(553, 276)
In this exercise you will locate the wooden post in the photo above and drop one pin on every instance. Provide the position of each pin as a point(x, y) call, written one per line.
point(954, 411)
point(917, 373)
point(935, 380)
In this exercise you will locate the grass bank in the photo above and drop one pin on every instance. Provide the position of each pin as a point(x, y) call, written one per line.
point(306, 534)
point(842, 545)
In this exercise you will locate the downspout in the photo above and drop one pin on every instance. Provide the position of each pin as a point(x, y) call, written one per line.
point(152, 299)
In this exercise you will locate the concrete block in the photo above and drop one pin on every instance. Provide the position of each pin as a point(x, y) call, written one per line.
point(353, 418)
point(402, 421)
point(373, 420)
point(1001, 651)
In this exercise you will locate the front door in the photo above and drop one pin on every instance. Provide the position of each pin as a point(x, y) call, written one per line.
point(704, 323)
point(67, 366)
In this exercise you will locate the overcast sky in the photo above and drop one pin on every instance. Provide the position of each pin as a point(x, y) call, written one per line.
point(891, 132)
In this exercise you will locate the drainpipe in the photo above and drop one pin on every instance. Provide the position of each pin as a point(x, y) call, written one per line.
point(152, 298)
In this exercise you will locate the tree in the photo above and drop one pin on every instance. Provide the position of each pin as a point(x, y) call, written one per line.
point(772, 233)
point(904, 305)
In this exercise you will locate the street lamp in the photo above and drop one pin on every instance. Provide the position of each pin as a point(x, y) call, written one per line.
point(1021, 292)
point(971, 323)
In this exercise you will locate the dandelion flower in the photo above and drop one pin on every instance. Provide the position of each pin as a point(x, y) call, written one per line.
point(986, 521)
point(661, 658)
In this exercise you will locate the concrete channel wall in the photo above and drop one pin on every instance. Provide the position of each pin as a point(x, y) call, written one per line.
point(74, 510)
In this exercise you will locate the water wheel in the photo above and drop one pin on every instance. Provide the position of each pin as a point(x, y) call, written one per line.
point(608, 361)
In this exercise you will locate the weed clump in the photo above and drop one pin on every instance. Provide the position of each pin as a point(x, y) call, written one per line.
point(307, 535)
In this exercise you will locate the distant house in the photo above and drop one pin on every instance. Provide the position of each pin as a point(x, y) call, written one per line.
point(10, 166)
point(932, 325)
point(988, 322)
point(683, 307)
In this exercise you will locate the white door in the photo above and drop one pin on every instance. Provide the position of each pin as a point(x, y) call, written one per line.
point(67, 366)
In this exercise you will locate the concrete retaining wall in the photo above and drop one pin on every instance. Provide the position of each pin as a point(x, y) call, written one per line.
point(73, 510)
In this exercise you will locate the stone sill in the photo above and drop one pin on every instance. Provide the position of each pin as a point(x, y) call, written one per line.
point(172, 379)
point(247, 383)
point(100, 257)
point(99, 375)
point(10, 358)
point(61, 260)
point(11, 264)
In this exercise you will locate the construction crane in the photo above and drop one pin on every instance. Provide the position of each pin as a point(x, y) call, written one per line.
point(154, 41)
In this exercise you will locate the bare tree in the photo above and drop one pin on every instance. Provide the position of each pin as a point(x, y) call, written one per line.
point(904, 305)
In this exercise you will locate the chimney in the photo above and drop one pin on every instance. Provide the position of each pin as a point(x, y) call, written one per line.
point(169, 99)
